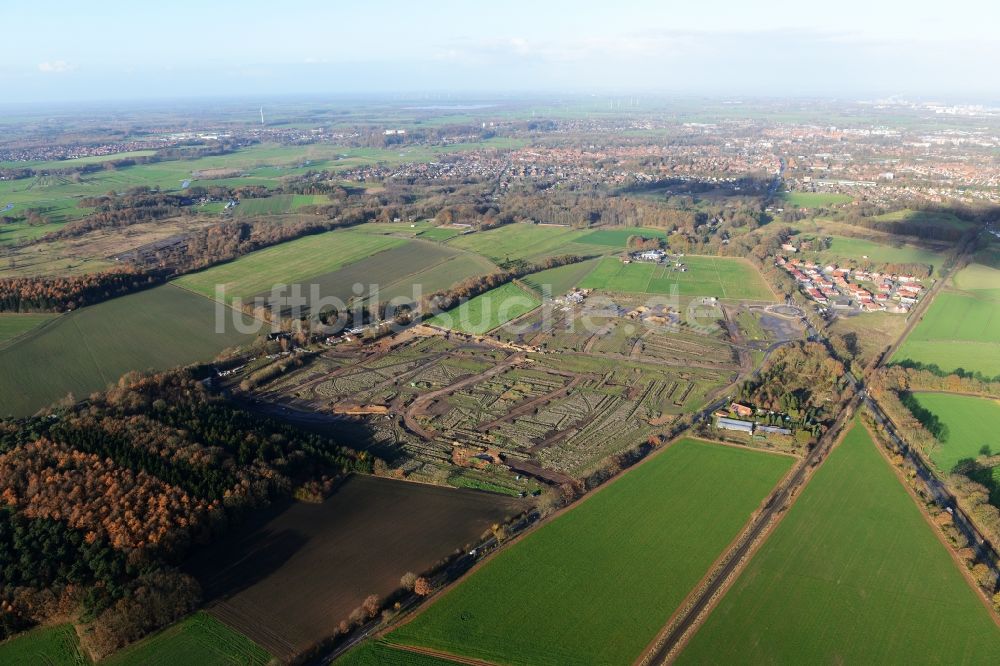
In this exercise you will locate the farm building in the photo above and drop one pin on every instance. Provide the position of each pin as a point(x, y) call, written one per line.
point(734, 424)
point(774, 429)
point(741, 410)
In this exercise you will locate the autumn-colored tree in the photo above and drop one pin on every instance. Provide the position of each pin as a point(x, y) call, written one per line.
point(422, 586)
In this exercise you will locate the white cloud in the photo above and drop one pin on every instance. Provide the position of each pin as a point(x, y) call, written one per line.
point(55, 67)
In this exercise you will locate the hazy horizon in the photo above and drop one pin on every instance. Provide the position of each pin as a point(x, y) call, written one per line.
point(253, 49)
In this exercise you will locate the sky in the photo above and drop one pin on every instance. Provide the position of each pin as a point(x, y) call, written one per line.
point(66, 50)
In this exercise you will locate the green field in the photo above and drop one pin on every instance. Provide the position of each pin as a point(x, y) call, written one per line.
point(288, 263)
point(557, 281)
point(520, 241)
point(597, 583)
point(199, 639)
point(278, 204)
point(487, 311)
point(436, 277)
point(924, 219)
point(853, 574)
point(14, 324)
point(617, 237)
point(724, 278)
point(848, 250)
point(979, 279)
point(51, 646)
point(410, 269)
point(815, 199)
point(85, 350)
point(380, 653)
point(971, 426)
point(439, 234)
point(959, 330)
point(407, 229)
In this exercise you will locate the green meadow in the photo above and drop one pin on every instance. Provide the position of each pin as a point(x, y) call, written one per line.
point(959, 330)
point(724, 278)
point(520, 241)
point(848, 250)
point(488, 311)
point(616, 237)
point(559, 280)
point(853, 574)
point(970, 425)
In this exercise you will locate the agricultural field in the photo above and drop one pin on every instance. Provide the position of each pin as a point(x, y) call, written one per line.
point(406, 271)
point(970, 427)
point(488, 311)
point(522, 241)
point(958, 330)
point(405, 229)
point(13, 325)
point(87, 349)
point(557, 281)
point(262, 581)
point(853, 574)
point(814, 199)
point(436, 277)
point(584, 588)
point(723, 278)
point(199, 639)
point(287, 263)
point(380, 653)
point(616, 237)
point(440, 234)
point(278, 204)
point(52, 646)
point(982, 277)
